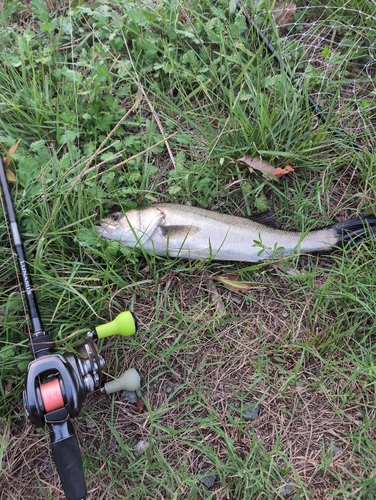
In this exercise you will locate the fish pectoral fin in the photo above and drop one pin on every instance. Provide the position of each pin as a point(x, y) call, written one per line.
point(180, 231)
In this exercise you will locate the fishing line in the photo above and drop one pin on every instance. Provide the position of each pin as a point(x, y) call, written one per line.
point(52, 396)
point(279, 60)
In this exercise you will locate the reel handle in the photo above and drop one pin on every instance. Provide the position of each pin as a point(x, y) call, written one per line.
point(68, 461)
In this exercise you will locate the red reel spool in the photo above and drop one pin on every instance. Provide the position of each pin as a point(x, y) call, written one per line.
point(52, 396)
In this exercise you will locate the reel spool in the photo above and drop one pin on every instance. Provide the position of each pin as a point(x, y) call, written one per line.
point(51, 395)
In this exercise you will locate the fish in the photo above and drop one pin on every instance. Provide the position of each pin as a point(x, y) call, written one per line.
point(172, 230)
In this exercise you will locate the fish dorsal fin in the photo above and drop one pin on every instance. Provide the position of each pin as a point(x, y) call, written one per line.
point(179, 230)
point(266, 218)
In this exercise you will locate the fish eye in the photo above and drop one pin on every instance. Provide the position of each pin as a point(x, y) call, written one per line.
point(117, 216)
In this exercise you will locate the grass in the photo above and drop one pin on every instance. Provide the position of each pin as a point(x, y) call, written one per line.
point(119, 104)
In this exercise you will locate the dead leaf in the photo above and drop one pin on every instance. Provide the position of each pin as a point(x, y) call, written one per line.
point(257, 164)
point(10, 175)
point(233, 282)
point(6, 162)
point(284, 13)
point(140, 405)
point(13, 149)
point(215, 296)
point(280, 172)
point(265, 168)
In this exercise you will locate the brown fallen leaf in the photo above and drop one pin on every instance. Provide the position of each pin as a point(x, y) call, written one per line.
point(13, 149)
point(6, 162)
point(283, 13)
point(280, 172)
point(257, 164)
point(233, 282)
point(214, 294)
point(10, 175)
point(140, 405)
point(265, 168)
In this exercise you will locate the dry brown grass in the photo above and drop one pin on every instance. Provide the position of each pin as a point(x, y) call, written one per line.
point(301, 413)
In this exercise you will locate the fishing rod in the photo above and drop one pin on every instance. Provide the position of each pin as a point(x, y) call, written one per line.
point(293, 78)
point(56, 384)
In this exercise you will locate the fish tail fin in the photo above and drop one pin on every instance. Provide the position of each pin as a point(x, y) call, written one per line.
point(358, 229)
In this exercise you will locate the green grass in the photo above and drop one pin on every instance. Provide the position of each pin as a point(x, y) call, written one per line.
point(118, 104)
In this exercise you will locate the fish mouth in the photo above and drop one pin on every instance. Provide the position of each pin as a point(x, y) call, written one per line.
point(105, 228)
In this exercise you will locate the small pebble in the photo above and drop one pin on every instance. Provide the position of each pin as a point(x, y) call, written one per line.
point(45, 467)
point(208, 481)
point(336, 449)
point(292, 271)
point(287, 490)
point(114, 446)
point(315, 370)
point(333, 447)
point(130, 396)
point(172, 388)
point(251, 411)
point(141, 447)
point(90, 424)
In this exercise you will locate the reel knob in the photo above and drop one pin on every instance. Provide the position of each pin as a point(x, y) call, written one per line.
point(124, 324)
point(129, 381)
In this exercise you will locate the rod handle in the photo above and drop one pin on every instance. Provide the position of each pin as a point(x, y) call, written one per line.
point(68, 461)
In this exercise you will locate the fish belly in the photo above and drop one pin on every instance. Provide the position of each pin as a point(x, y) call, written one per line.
point(220, 242)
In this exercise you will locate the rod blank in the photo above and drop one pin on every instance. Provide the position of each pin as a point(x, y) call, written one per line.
point(40, 341)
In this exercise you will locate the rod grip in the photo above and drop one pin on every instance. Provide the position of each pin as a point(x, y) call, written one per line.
point(67, 458)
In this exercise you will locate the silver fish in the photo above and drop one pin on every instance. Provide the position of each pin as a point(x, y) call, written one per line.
point(194, 233)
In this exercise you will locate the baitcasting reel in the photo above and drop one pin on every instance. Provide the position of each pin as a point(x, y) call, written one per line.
point(55, 390)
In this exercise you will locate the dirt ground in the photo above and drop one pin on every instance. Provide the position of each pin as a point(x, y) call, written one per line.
point(299, 414)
